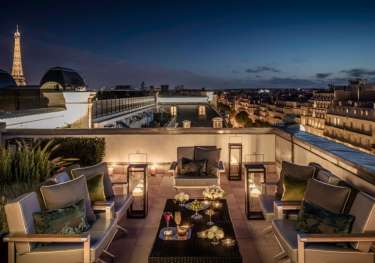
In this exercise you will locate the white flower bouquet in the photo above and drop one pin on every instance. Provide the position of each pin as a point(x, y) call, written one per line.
point(213, 192)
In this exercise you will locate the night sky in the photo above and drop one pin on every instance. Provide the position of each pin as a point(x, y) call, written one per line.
point(212, 44)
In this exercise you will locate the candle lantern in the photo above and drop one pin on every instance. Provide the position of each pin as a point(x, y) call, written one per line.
point(235, 161)
point(255, 179)
point(138, 186)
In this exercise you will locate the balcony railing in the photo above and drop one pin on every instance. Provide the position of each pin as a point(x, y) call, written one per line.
point(360, 113)
point(106, 107)
point(351, 129)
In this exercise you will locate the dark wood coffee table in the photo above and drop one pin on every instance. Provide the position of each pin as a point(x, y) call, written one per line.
point(195, 249)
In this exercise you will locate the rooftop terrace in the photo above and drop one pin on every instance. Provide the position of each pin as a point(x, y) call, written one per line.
point(159, 145)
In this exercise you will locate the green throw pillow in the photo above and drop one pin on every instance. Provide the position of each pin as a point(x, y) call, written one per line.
point(95, 186)
point(294, 189)
point(69, 220)
point(313, 219)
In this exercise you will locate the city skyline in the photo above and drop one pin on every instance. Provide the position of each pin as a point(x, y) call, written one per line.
point(241, 45)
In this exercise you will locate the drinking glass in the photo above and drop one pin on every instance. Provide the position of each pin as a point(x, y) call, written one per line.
point(167, 217)
point(177, 217)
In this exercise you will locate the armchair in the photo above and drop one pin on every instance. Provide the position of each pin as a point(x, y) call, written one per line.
point(267, 200)
point(86, 247)
point(305, 248)
point(120, 198)
point(209, 153)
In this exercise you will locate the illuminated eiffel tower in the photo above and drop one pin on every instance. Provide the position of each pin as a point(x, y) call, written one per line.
point(17, 70)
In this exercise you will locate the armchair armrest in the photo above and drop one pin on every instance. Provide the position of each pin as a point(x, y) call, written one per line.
point(48, 238)
point(330, 238)
point(105, 206)
point(221, 167)
point(173, 167)
point(280, 206)
point(336, 238)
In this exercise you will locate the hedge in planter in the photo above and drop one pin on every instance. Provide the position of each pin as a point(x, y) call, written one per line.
point(89, 151)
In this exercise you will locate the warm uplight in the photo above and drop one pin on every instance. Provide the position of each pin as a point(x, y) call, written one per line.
point(138, 192)
point(110, 170)
point(153, 169)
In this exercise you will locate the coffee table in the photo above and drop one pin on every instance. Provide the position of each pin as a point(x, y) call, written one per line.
point(195, 250)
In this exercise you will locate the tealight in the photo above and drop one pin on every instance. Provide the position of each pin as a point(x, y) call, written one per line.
point(217, 204)
point(182, 230)
point(228, 242)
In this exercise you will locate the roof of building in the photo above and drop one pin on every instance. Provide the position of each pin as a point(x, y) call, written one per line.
point(6, 80)
point(66, 77)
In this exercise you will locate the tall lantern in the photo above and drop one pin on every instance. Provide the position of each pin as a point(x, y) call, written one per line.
point(254, 181)
point(235, 161)
point(138, 186)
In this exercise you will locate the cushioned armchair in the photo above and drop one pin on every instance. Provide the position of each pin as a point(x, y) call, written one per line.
point(351, 247)
point(268, 200)
point(117, 190)
point(25, 246)
point(197, 180)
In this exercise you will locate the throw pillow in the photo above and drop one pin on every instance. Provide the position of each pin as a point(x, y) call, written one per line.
point(330, 197)
point(300, 172)
point(327, 177)
point(91, 171)
point(294, 189)
point(95, 186)
point(68, 193)
point(192, 167)
point(68, 220)
point(211, 154)
point(313, 219)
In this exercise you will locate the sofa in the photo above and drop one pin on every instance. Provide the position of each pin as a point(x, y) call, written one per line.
point(24, 246)
point(196, 181)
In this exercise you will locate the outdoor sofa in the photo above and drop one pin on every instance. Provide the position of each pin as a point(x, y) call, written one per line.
point(197, 180)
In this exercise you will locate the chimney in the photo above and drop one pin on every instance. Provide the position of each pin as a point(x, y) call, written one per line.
point(217, 123)
point(186, 124)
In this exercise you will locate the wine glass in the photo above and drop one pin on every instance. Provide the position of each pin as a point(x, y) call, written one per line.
point(167, 217)
point(210, 212)
point(196, 207)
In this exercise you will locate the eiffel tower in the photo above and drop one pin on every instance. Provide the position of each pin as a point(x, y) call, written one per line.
point(17, 70)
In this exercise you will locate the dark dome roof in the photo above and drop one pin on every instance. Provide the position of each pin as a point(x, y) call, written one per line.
point(69, 79)
point(6, 80)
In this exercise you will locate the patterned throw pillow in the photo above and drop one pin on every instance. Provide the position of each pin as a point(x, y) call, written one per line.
point(212, 156)
point(191, 167)
point(69, 220)
point(313, 219)
point(95, 186)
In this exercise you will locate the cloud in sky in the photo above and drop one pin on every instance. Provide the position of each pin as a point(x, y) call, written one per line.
point(322, 75)
point(359, 73)
point(261, 69)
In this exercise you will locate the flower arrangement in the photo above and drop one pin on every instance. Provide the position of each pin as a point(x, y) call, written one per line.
point(181, 197)
point(214, 234)
point(213, 192)
point(196, 205)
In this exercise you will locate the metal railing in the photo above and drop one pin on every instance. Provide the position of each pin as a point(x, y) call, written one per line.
point(110, 106)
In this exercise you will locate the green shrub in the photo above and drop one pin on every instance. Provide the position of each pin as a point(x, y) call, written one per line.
point(23, 170)
point(87, 151)
point(243, 119)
